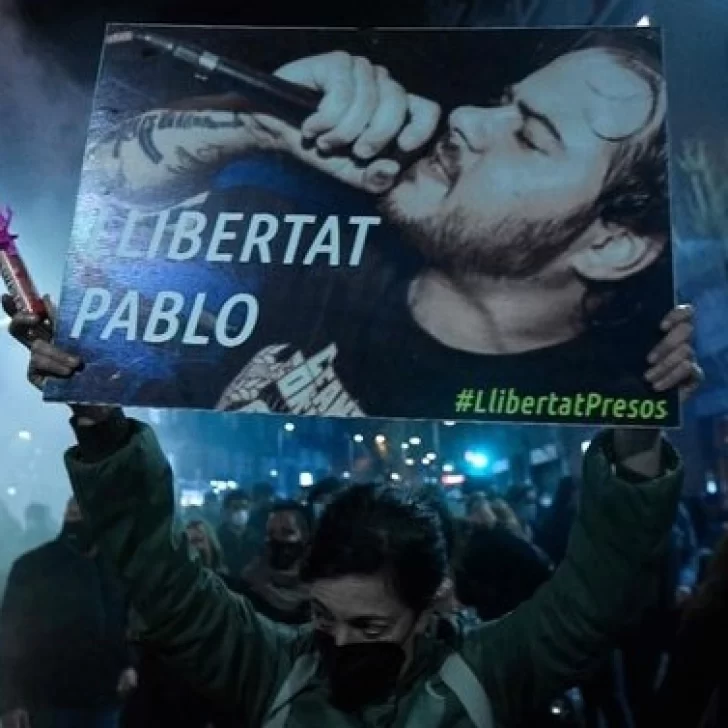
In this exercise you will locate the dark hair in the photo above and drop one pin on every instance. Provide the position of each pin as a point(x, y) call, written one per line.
point(263, 490)
point(635, 193)
point(216, 553)
point(370, 529)
point(233, 497)
point(323, 488)
point(291, 506)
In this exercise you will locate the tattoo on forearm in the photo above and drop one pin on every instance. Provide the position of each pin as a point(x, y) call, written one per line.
point(197, 161)
point(142, 128)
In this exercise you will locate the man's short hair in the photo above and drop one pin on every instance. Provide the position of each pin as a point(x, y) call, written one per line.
point(369, 530)
point(235, 497)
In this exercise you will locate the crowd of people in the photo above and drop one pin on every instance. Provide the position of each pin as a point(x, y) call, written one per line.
point(364, 604)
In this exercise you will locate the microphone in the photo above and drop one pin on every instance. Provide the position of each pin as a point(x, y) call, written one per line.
point(283, 99)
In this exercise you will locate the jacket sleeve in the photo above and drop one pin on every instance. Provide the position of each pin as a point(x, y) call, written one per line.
point(212, 636)
point(607, 577)
point(12, 647)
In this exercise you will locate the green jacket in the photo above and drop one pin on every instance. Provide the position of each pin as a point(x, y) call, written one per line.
point(227, 650)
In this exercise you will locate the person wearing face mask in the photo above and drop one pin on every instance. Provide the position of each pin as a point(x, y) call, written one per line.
point(375, 654)
point(273, 581)
point(64, 661)
point(238, 546)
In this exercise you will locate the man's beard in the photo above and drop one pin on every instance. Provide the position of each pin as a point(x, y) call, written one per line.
point(510, 248)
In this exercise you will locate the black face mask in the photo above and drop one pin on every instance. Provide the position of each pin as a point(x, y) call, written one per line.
point(360, 674)
point(283, 555)
point(78, 536)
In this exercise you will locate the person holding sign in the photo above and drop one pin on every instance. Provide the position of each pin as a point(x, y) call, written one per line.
point(375, 655)
point(537, 222)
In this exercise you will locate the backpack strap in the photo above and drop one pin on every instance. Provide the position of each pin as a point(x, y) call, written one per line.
point(459, 677)
point(302, 671)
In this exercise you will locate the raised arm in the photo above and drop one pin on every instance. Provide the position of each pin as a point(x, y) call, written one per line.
point(631, 489)
point(165, 156)
point(124, 486)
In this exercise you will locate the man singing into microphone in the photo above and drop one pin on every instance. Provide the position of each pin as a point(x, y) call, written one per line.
point(535, 224)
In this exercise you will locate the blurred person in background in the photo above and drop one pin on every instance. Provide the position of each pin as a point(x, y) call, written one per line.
point(694, 691)
point(645, 647)
point(64, 660)
point(238, 546)
point(478, 510)
point(210, 509)
point(263, 496)
point(557, 522)
point(39, 526)
point(11, 539)
point(523, 499)
point(321, 494)
point(272, 581)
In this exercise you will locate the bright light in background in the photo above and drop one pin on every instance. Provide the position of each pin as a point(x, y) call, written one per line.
point(358, 438)
point(711, 487)
point(191, 498)
point(346, 475)
point(289, 427)
point(405, 446)
point(644, 22)
point(477, 460)
point(425, 461)
point(380, 439)
point(273, 473)
point(546, 500)
point(415, 441)
point(585, 446)
point(431, 456)
point(12, 491)
point(305, 480)
point(25, 435)
point(396, 477)
point(453, 479)
point(409, 461)
point(448, 423)
point(448, 468)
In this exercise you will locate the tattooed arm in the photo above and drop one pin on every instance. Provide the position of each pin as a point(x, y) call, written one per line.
point(162, 156)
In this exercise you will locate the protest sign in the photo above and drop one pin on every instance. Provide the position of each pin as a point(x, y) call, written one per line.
point(458, 225)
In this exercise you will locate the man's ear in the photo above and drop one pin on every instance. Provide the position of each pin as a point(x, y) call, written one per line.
point(614, 253)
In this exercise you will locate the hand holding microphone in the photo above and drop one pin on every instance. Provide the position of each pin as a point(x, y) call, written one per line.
point(363, 115)
point(337, 112)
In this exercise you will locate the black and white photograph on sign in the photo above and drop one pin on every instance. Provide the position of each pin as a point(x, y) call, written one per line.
point(459, 225)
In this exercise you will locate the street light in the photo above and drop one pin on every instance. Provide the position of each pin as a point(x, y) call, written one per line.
point(405, 446)
point(358, 438)
point(448, 468)
point(409, 461)
point(425, 461)
point(273, 473)
point(431, 456)
point(415, 441)
point(289, 427)
point(380, 439)
point(396, 477)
